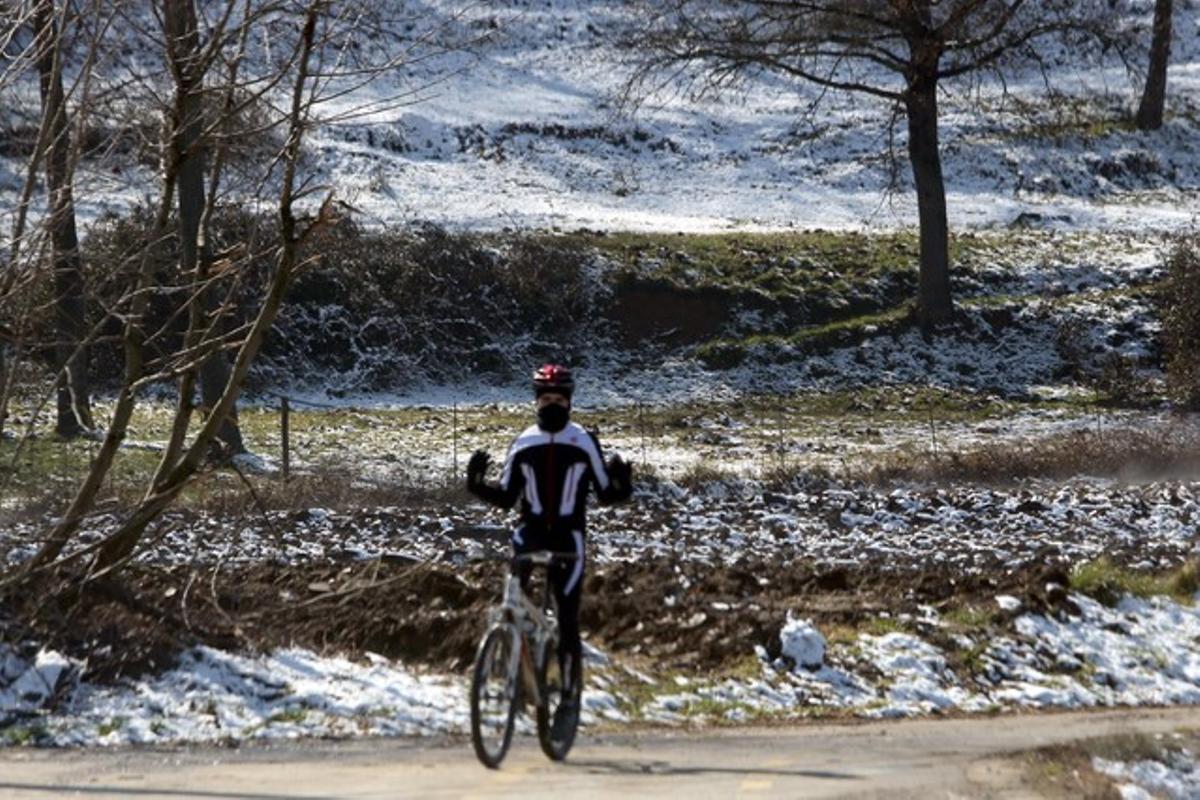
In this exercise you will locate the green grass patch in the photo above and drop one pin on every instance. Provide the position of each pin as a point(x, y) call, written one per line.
point(847, 634)
point(1108, 582)
point(293, 716)
point(745, 668)
point(111, 726)
point(841, 634)
point(725, 352)
point(21, 735)
point(771, 262)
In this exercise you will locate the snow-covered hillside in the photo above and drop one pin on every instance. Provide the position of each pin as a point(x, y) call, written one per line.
point(532, 135)
point(525, 130)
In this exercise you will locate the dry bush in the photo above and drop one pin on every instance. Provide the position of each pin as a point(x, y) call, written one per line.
point(1165, 451)
point(701, 475)
point(792, 477)
point(226, 494)
point(1072, 345)
point(1181, 322)
point(375, 307)
point(384, 307)
point(1118, 381)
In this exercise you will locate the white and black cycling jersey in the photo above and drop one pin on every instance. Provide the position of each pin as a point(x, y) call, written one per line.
point(552, 474)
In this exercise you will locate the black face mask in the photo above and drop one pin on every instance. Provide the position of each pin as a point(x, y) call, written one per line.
point(553, 418)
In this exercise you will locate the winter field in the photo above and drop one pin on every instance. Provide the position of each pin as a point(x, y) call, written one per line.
point(832, 520)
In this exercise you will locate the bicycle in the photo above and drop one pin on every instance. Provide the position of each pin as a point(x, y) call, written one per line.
point(519, 653)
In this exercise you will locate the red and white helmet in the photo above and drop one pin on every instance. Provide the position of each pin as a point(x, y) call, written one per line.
point(553, 378)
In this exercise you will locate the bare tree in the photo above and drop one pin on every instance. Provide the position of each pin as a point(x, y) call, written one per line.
point(1154, 95)
point(897, 50)
point(316, 55)
point(188, 147)
point(71, 353)
point(38, 38)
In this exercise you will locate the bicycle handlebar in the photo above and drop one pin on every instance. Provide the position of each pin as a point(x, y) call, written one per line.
point(539, 558)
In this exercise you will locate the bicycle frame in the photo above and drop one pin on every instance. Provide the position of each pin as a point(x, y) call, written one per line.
point(528, 623)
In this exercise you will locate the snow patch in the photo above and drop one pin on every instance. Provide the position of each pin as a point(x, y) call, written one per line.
point(1176, 777)
point(803, 643)
point(291, 693)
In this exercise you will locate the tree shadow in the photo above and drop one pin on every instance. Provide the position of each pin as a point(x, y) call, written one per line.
point(629, 766)
point(58, 790)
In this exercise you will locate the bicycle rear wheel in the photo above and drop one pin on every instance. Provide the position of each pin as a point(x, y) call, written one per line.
point(493, 697)
point(557, 714)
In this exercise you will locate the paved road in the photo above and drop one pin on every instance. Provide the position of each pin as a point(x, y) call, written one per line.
point(918, 758)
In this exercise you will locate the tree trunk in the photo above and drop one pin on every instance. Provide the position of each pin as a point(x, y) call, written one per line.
point(934, 305)
point(1154, 95)
point(191, 151)
point(214, 375)
point(3, 388)
point(70, 349)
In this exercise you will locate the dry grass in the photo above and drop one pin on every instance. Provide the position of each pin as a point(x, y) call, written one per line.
point(700, 475)
point(224, 493)
point(1169, 451)
point(1065, 771)
point(227, 493)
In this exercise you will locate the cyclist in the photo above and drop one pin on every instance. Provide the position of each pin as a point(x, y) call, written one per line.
point(551, 467)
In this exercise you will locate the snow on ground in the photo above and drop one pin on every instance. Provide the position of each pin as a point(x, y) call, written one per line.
point(1174, 777)
point(958, 528)
point(967, 529)
point(528, 136)
point(1140, 652)
point(213, 695)
point(525, 136)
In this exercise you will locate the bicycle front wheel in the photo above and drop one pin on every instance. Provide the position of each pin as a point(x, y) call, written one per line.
point(493, 696)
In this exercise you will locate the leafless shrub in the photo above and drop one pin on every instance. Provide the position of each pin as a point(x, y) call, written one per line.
point(1071, 343)
point(338, 489)
point(1160, 452)
point(1181, 322)
point(1118, 380)
point(782, 477)
point(701, 475)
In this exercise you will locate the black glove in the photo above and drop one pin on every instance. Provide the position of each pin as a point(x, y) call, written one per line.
point(476, 467)
point(621, 475)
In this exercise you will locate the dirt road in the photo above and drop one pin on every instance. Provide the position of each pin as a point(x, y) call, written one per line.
point(918, 758)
